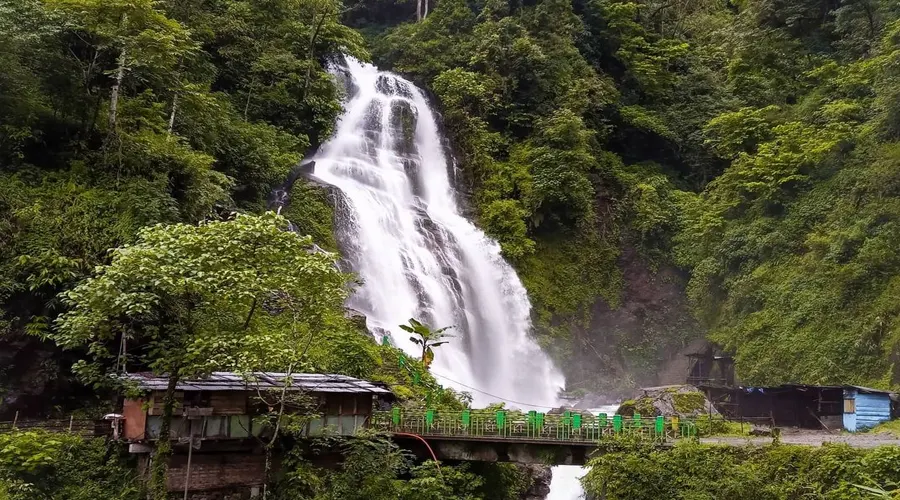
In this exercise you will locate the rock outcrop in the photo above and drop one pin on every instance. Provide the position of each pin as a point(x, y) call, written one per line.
point(540, 487)
point(637, 342)
point(681, 400)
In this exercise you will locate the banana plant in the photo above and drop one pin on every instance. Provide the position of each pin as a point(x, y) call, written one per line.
point(427, 338)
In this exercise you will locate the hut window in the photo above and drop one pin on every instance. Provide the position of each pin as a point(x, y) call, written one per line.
point(348, 425)
point(315, 426)
point(849, 406)
point(333, 422)
point(154, 425)
point(198, 399)
point(215, 427)
point(239, 426)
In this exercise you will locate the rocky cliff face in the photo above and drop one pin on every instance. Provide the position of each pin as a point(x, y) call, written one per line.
point(639, 342)
point(35, 378)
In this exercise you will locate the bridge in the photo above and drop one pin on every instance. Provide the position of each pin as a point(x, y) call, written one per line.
point(569, 438)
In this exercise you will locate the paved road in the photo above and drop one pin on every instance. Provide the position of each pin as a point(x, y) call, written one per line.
point(862, 440)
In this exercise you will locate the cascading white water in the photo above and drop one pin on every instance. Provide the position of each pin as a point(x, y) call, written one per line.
point(418, 257)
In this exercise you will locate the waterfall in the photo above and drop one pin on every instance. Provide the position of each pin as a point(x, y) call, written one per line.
point(401, 231)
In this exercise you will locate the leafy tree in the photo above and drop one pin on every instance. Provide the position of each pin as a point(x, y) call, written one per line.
point(141, 38)
point(192, 299)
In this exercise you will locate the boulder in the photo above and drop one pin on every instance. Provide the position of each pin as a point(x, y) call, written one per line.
point(358, 320)
point(681, 400)
point(541, 476)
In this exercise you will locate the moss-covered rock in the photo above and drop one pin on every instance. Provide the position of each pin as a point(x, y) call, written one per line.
point(681, 400)
point(689, 402)
point(310, 208)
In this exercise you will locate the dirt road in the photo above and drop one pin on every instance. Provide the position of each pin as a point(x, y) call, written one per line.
point(812, 438)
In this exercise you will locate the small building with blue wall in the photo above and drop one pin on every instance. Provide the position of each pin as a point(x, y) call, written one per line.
point(865, 408)
point(825, 407)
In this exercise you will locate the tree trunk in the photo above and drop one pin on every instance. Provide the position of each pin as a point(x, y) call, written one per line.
point(120, 75)
point(114, 96)
point(425, 14)
point(418, 10)
point(163, 443)
point(270, 446)
point(249, 95)
point(172, 116)
point(312, 52)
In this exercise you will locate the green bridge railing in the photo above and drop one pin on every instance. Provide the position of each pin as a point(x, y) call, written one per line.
point(569, 427)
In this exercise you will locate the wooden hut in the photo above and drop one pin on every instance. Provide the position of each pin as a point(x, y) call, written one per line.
point(215, 423)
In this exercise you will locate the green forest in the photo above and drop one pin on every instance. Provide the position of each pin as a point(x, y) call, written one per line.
point(751, 144)
point(743, 155)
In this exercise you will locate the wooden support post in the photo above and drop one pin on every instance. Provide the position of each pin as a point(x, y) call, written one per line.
point(15, 419)
point(71, 421)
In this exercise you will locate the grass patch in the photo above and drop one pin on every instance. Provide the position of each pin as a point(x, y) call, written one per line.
point(719, 427)
point(891, 427)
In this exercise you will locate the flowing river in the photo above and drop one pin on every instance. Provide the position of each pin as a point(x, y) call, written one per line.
point(401, 231)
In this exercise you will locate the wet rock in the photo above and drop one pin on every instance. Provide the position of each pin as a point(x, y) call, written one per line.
point(390, 85)
point(385, 84)
point(652, 313)
point(540, 486)
point(402, 120)
point(357, 318)
point(344, 78)
point(592, 400)
point(563, 409)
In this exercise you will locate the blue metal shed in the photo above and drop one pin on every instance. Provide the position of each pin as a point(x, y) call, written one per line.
point(865, 407)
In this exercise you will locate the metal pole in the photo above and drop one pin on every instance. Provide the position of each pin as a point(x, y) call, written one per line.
point(187, 473)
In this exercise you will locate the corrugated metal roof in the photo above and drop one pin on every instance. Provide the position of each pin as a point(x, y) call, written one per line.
point(868, 390)
point(865, 390)
point(229, 381)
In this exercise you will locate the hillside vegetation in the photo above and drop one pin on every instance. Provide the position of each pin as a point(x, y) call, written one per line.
point(696, 471)
point(753, 144)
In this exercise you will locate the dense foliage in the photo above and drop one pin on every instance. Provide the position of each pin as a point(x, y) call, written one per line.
point(694, 471)
point(115, 115)
point(38, 465)
point(377, 469)
point(753, 144)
